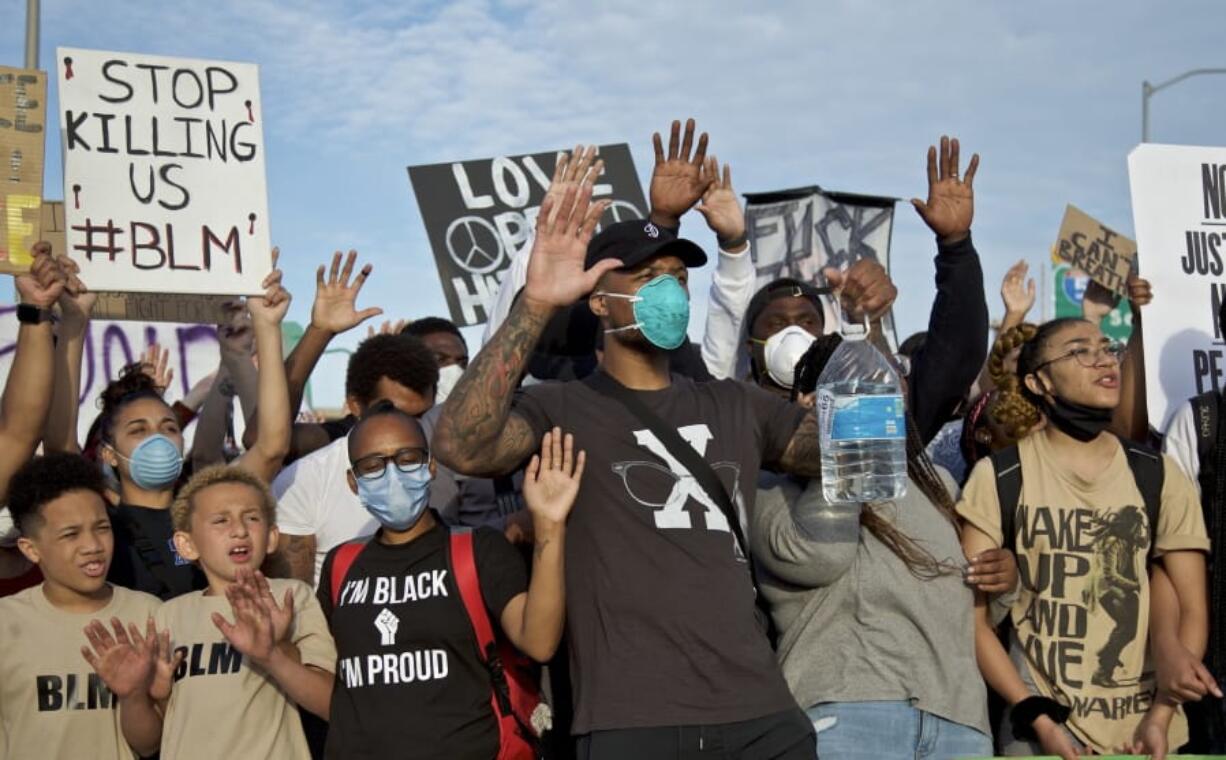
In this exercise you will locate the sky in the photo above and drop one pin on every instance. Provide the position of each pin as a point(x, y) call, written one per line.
point(844, 94)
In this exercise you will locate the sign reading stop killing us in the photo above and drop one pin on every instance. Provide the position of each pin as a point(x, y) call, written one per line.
point(164, 188)
point(1179, 212)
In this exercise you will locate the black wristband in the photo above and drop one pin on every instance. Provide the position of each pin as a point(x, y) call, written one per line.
point(1029, 709)
point(29, 314)
point(735, 242)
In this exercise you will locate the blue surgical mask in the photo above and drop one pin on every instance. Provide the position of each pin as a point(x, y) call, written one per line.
point(155, 463)
point(396, 499)
point(661, 312)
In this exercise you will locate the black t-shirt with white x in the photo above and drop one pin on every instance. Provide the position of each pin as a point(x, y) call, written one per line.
point(409, 682)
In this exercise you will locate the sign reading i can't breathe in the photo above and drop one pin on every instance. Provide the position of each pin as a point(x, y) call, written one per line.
point(479, 214)
point(164, 187)
point(1179, 211)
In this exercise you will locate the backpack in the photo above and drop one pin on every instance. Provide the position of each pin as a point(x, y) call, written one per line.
point(514, 679)
point(1147, 469)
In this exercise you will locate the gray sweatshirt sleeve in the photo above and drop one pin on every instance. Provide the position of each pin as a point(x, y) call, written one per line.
point(800, 538)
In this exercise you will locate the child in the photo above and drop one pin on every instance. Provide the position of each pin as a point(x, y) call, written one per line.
point(236, 683)
point(411, 682)
point(50, 705)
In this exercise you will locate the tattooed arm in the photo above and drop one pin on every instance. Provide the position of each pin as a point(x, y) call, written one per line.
point(295, 557)
point(477, 434)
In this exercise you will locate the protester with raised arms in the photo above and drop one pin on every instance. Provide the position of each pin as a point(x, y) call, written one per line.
point(666, 650)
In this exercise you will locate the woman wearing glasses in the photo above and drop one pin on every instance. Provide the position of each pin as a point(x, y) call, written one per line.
point(1075, 671)
point(410, 681)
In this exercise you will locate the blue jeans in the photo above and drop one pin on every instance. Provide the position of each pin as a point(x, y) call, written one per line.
point(893, 731)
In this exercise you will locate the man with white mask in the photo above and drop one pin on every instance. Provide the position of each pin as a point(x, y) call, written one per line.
point(450, 350)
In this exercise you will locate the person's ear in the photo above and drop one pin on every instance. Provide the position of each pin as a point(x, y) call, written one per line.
point(353, 406)
point(1035, 385)
point(29, 550)
point(353, 482)
point(185, 546)
point(598, 304)
point(109, 455)
point(274, 537)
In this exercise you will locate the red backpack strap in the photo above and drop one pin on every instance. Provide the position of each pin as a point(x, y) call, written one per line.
point(464, 565)
point(346, 554)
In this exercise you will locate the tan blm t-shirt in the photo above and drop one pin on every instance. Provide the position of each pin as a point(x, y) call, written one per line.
point(223, 707)
point(52, 704)
point(1082, 615)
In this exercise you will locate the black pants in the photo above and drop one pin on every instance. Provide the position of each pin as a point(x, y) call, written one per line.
point(783, 736)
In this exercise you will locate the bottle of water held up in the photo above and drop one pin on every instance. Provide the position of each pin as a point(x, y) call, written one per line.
point(863, 425)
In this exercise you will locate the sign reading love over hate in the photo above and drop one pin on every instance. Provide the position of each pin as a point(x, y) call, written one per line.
point(164, 187)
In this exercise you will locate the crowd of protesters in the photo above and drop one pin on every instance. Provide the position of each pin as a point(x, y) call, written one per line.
point(597, 539)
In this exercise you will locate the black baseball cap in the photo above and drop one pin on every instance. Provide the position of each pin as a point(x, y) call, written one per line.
point(784, 287)
point(636, 240)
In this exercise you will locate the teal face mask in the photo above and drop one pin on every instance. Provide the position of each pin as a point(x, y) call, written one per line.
point(661, 312)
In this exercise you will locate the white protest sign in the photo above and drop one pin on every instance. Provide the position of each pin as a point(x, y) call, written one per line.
point(164, 187)
point(1179, 212)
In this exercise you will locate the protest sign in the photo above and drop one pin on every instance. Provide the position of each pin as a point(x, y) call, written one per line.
point(141, 307)
point(164, 185)
point(796, 233)
point(1094, 248)
point(23, 119)
point(1179, 212)
point(110, 346)
point(479, 214)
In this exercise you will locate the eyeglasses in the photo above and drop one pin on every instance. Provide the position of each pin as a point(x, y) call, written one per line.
point(651, 484)
point(408, 460)
point(1091, 357)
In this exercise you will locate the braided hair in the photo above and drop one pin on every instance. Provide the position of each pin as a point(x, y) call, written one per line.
point(919, 561)
point(1018, 409)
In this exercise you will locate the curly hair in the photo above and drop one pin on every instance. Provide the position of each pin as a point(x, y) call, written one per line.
point(402, 358)
point(131, 385)
point(1018, 409)
point(919, 560)
point(43, 480)
point(184, 504)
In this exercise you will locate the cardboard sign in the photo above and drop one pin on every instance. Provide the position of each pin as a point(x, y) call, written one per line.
point(1094, 248)
point(796, 233)
point(23, 119)
point(164, 185)
point(478, 214)
point(143, 307)
point(1179, 211)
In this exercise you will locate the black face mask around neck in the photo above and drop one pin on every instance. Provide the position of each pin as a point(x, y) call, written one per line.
point(1084, 423)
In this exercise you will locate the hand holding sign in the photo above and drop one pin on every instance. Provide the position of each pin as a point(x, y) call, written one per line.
point(951, 201)
point(335, 310)
point(556, 275)
point(268, 310)
point(677, 182)
point(45, 282)
point(865, 290)
point(721, 207)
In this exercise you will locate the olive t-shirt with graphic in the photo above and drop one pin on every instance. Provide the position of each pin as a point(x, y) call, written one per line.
point(1082, 614)
point(52, 704)
point(659, 601)
point(409, 682)
point(221, 705)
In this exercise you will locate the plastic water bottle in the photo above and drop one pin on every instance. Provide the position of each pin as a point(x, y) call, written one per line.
point(863, 426)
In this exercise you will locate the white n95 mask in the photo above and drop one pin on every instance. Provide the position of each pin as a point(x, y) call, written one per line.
point(782, 350)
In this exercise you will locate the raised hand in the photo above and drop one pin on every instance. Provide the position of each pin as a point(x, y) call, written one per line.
point(1016, 291)
point(865, 290)
point(252, 630)
point(125, 666)
point(165, 662)
point(1140, 292)
point(721, 207)
point(556, 275)
point(677, 182)
point(1098, 302)
point(551, 481)
point(282, 616)
point(76, 302)
point(389, 327)
point(234, 333)
point(271, 308)
point(46, 281)
point(582, 165)
point(951, 201)
point(155, 363)
point(334, 310)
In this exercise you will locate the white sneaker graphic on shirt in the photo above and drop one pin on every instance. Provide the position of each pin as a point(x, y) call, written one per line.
point(387, 623)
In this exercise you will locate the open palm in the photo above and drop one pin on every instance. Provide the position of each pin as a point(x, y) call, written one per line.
point(557, 276)
point(123, 664)
point(551, 481)
point(335, 308)
point(950, 207)
point(678, 181)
